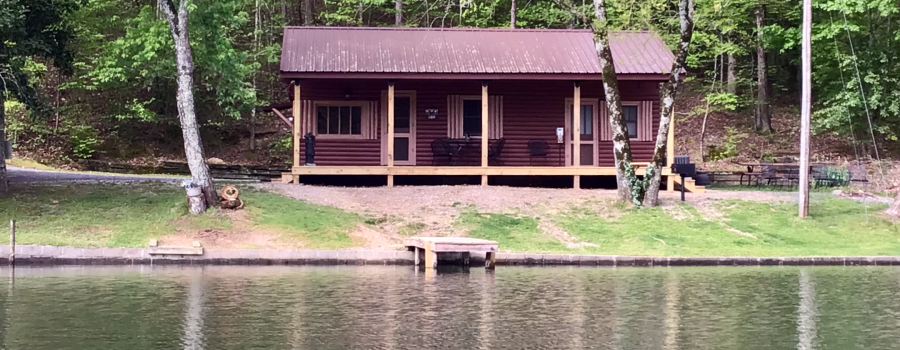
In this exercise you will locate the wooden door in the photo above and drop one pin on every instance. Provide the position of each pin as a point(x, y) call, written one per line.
point(589, 132)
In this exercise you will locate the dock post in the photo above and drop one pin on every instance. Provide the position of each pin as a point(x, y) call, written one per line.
point(490, 260)
point(12, 242)
point(416, 252)
point(430, 256)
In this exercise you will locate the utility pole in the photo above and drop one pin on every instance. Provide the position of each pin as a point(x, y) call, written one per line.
point(805, 105)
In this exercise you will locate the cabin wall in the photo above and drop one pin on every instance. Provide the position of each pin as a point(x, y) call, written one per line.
point(532, 110)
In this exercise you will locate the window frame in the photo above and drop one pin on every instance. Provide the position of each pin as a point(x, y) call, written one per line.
point(462, 108)
point(363, 119)
point(637, 120)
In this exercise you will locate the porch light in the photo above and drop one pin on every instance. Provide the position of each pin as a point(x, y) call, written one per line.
point(431, 113)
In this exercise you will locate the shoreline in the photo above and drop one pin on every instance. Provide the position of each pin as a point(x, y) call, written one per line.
point(53, 255)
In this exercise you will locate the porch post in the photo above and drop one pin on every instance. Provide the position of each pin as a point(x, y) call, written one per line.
point(390, 132)
point(296, 114)
point(670, 152)
point(576, 133)
point(485, 133)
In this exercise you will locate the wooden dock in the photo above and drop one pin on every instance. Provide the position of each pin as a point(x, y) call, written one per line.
point(434, 245)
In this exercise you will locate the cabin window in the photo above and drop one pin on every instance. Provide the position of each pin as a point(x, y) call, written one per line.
point(339, 120)
point(472, 117)
point(630, 114)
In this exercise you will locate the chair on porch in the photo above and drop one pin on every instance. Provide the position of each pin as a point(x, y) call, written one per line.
point(440, 148)
point(537, 148)
point(494, 150)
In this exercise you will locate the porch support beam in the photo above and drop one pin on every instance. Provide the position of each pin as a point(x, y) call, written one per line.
point(485, 134)
point(296, 126)
point(390, 131)
point(670, 152)
point(576, 132)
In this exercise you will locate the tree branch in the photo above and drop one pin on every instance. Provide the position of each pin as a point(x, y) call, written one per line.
point(168, 9)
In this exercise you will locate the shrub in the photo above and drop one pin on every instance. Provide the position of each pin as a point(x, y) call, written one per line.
point(84, 140)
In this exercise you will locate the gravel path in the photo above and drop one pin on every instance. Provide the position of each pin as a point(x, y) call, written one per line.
point(23, 175)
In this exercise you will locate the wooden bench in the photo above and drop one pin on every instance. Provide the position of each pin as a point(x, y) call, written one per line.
point(434, 245)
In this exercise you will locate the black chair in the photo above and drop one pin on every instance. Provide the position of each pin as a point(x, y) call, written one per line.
point(768, 172)
point(819, 174)
point(440, 148)
point(537, 148)
point(858, 172)
point(494, 150)
point(750, 174)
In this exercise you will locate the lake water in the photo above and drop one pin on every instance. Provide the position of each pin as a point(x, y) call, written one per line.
point(399, 308)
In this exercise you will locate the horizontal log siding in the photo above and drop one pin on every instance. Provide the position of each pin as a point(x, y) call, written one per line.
point(532, 111)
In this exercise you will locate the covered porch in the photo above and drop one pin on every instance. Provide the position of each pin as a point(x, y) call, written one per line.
point(535, 110)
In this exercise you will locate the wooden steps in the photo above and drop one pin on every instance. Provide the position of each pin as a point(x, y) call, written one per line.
point(690, 185)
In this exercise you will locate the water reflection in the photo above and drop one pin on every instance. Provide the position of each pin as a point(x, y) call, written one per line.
point(397, 308)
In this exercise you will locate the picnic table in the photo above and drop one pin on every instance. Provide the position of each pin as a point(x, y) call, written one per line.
point(781, 171)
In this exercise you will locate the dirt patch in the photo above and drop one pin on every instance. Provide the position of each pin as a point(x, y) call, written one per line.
point(399, 212)
point(243, 234)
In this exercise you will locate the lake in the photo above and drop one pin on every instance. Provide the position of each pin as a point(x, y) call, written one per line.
point(399, 308)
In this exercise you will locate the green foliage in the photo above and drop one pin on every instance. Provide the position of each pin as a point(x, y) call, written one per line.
point(730, 146)
point(85, 140)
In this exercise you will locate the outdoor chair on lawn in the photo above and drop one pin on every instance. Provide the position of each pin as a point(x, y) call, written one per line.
point(791, 175)
point(494, 150)
point(820, 176)
point(440, 148)
point(749, 174)
point(858, 172)
point(767, 172)
point(537, 148)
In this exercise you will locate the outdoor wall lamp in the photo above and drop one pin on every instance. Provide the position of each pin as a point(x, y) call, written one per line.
point(431, 113)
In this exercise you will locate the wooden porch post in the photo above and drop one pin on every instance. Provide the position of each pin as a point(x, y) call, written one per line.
point(296, 114)
point(576, 133)
point(390, 132)
point(670, 152)
point(485, 134)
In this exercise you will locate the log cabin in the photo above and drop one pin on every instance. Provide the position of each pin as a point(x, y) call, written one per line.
point(466, 102)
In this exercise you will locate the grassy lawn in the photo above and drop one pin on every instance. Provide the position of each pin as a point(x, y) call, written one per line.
point(724, 228)
point(98, 215)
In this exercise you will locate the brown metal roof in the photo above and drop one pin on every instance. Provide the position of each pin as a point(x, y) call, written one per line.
point(478, 52)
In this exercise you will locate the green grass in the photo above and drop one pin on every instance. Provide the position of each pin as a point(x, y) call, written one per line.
point(319, 227)
point(519, 234)
point(28, 164)
point(835, 227)
point(106, 215)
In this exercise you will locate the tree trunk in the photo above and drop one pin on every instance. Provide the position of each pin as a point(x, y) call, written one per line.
point(894, 209)
point(398, 16)
point(667, 102)
point(4, 185)
point(731, 85)
point(193, 146)
point(763, 116)
point(307, 10)
point(621, 142)
point(512, 15)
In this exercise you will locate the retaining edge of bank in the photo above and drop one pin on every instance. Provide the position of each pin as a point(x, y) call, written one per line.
point(53, 255)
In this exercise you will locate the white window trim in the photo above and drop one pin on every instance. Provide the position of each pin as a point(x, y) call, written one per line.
point(363, 122)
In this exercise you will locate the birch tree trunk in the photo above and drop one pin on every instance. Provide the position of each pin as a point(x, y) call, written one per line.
point(763, 115)
point(668, 90)
point(398, 17)
point(512, 15)
point(731, 84)
point(190, 130)
point(621, 142)
point(4, 184)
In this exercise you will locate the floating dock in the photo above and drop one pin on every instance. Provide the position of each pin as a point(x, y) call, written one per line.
point(432, 246)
